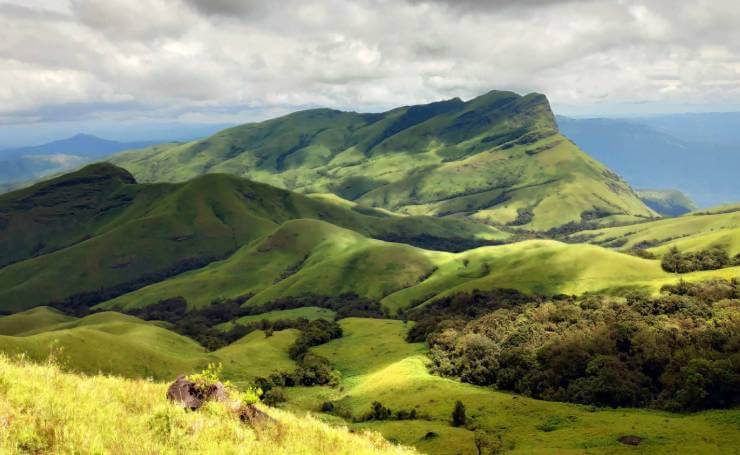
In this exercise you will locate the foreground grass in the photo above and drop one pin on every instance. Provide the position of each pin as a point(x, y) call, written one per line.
point(43, 410)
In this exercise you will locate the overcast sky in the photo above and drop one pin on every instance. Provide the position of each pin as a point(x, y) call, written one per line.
point(81, 63)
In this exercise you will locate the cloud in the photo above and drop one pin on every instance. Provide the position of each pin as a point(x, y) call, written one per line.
point(173, 57)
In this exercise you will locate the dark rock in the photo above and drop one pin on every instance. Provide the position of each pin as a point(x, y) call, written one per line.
point(430, 435)
point(252, 416)
point(189, 395)
point(630, 440)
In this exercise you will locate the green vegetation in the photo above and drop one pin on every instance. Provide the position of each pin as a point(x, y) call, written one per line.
point(44, 410)
point(402, 276)
point(691, 232)
point(711, 259)
point(124, 345)
point(601, 351)
point(491, 158)
point(121, 235)
point(377, 365)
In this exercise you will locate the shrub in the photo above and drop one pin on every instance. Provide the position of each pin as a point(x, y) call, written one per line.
point(458, 414)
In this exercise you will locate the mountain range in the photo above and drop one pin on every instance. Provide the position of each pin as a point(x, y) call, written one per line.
point(498, 158)
point(697, 154)
point(26, 164)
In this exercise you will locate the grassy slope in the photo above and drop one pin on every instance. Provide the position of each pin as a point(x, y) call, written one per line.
point(486, 157)
point(35, 319)
point(690, 232)
point(46, 411)
point(378, 365)
point(308, 256)
point(311, 313)
point(128, 231)
point(124, 345)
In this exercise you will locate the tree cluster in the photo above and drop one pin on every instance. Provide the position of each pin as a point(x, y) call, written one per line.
point(712, 258)
point(677, 351)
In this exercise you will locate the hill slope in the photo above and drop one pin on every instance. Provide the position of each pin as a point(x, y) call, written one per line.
point(304, 257)
point(498, 157)
point(120, 235)
point(100, 414)
point(691, 232)
point(115, 343)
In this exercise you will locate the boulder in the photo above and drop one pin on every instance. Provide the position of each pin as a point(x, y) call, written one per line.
point(252, 416)
point(630, 440)
point(190, 396)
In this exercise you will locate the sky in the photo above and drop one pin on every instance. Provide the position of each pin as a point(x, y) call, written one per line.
point(135, 67)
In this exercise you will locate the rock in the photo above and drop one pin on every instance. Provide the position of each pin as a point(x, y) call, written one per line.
point(189, 395)
point(251, 415)
point(630, 440)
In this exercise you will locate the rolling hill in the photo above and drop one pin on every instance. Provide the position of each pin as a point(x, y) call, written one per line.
point(304, 257)
point(121, 235)
point(115, 343)
point(691, 232)
point(498, 158)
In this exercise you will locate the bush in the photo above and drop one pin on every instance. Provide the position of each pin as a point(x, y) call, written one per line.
point(458, 414)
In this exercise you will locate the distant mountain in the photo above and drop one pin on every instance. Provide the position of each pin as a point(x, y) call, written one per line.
point(497, 158)
point(721, 128)
point(648, 157)
point(667, 202)
point(29, 163)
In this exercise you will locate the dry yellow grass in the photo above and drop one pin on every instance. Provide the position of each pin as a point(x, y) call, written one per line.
point(45, 410)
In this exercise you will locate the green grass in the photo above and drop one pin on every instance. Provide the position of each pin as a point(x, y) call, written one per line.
point(95, 229)
point(311, 313)
point(44, 410)
point(308, 256)
point(38, 318)
point(115, 343)
point(401, 381)
point(690, 232)
point(484, 158)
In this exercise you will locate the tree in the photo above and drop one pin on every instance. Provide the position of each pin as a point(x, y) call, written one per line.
point(458, 414)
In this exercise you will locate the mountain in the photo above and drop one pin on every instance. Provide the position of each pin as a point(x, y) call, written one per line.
point(29, 163)
point(122, 235)
point(649, 157)
point(667, 202)
point(127, 239)
point(497, 158)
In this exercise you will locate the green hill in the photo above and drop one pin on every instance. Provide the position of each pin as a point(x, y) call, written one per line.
point(498, 158)
point(691, 232)
point(119, 344)
point(313, 257)
point(95, 233)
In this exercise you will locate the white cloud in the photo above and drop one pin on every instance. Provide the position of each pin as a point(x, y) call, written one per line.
point(194, 57)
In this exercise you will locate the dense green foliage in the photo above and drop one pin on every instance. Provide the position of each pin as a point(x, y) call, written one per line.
point(677, 351)
point(713, 258)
